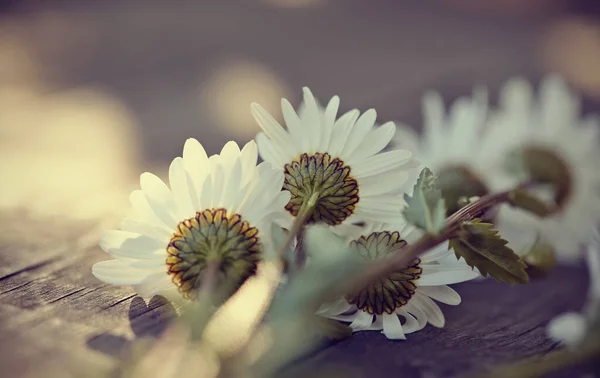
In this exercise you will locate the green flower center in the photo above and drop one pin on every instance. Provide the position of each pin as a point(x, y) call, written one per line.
point(393, 291)
point(337, 191)
point(458, 182)
point(212, 235)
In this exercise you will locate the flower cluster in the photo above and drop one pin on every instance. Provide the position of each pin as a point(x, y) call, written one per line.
point(467, 149)
point(335, 171)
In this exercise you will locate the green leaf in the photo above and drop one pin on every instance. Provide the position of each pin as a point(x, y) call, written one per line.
point(521, 199)
point(426, 208)
point(482, 248)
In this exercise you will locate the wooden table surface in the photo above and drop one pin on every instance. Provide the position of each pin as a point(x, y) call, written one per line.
point(158, 60)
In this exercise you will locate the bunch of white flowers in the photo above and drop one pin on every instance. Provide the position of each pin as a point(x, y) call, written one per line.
point(480, 192)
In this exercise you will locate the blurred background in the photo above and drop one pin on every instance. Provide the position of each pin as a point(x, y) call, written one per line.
point(92, 93)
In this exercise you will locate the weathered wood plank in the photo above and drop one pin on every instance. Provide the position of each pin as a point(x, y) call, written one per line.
point(56, 319)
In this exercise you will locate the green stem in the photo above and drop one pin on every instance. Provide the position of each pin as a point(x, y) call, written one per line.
point(305, 212)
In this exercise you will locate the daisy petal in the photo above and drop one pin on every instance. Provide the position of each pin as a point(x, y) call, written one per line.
point(269, 151)
point(392, 329)
point(434, 275)
point(147, 229)
point(249, 157)
point(181, 188)
point(442, 294)
point(361, 128)
point(270, 126)
point(412, 308)
point(435, 317)
point(437, 253)
point(118, 273)
point(311, 119)
point(362, 321)
point(114, 239)
point(381, 163)
point(154, 187)
point(328, 122)
point(154, 211)
point(195, 161)
point(375, 141)
point(342, 129)
point(411, 323)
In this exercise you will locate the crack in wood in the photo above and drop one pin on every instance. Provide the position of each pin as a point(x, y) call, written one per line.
point(119, 302)
point(537, 326)
point(66, 296)
point(17, 287)
point(31, 268)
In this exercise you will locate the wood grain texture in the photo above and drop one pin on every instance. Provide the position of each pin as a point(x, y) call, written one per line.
point(56, 319)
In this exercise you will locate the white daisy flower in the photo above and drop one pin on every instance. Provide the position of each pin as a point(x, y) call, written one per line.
point(550, 123)
point(218, 208)
point(401, 303)
point(338, 158)
point(468, 148)
point(451, 145)
point(572, 328)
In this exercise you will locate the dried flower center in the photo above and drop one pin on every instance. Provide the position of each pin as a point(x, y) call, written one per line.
point(458, 182)
point(337, 191)
point(212, 235)
point(393, 291)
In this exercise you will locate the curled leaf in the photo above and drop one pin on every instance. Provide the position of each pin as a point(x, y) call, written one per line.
point(458, 184)
point(521, 199)
point(543, 166)
point(482, 247)
point(426, 208)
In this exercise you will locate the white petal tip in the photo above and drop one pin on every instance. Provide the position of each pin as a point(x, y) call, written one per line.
point(392, 337)
point(432, 96)
point(371, 113)
point(145, 176)
point(255, 108)
point(192, 141)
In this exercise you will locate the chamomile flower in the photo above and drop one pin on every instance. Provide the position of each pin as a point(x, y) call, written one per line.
point(468, 148)
point(339, 159)
point(217, 208)
point(402, 302)
point(550, 124)
point(451, 145)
